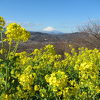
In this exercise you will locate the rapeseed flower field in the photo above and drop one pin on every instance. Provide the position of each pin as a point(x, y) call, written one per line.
point(42, 74)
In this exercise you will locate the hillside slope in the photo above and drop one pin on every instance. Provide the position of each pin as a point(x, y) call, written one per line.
point(61, 41)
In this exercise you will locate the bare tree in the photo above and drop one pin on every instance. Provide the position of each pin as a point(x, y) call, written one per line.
point(92, 27)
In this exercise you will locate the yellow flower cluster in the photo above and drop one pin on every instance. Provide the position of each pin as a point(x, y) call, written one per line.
point(2, 21)
point(23, 59)
point(26, 80)
point(45, 57)
point(36, 87)
point(15, 32)
point(58, 80)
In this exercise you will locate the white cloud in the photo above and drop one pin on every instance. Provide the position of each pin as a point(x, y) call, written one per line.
point(49, 29)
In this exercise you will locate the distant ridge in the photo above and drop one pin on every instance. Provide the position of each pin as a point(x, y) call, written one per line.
point(49, 32)
point(61, 41)
point(52, 32)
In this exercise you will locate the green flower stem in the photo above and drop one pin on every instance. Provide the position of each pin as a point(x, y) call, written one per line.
point(9, 49)
point(1, 38)
point(6, 79)
point(16, 47)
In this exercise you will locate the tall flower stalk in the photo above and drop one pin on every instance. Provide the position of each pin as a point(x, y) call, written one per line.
point(2, 24)
point(14, 34)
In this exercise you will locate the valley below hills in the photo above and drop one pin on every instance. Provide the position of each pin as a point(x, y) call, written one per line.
point(60, 41)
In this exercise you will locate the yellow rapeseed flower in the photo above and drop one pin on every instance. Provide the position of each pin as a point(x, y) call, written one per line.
point(36, 87)
point(15, 32)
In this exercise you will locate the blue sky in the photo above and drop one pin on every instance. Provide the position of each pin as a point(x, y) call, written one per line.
point(61, 15)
